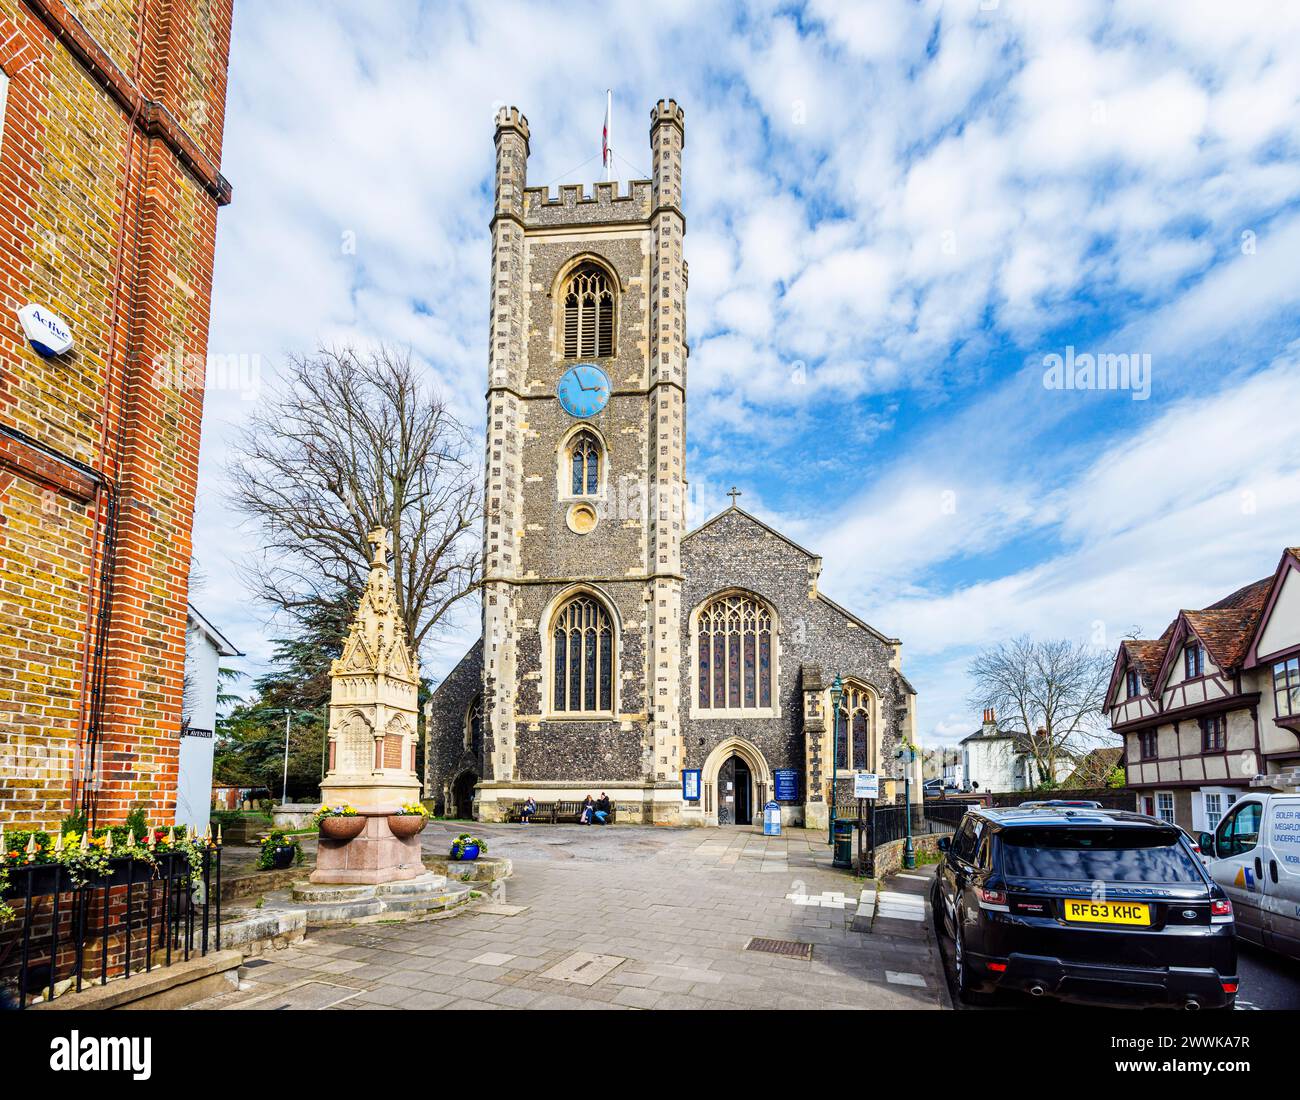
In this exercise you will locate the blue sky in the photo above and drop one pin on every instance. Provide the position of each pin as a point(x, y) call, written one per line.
point(895, 212)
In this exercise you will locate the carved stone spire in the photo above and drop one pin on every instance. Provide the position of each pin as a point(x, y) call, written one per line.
point(373, 689)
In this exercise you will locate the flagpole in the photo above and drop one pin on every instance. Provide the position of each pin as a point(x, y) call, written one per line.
point(609, 129)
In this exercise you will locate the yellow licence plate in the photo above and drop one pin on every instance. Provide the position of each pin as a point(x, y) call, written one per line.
point(1108, 912)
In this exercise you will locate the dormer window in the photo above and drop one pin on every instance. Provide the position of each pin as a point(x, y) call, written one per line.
point(1133, 684)
point(1193, 660)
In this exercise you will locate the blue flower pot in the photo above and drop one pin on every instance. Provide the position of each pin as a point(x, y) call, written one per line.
point(469, 852)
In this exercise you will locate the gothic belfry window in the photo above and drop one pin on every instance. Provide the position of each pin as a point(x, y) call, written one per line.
point(852, 728)
point(584, 454)
point(588, 314)
point(582, 640)
point(734, 654)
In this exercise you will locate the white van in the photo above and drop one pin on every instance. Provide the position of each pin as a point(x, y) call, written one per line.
point(1254, 854)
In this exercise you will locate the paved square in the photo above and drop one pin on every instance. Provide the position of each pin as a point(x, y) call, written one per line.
point(670, 909)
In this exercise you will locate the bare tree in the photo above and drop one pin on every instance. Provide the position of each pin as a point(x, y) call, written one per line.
point(349, 442)
point(1049, 695)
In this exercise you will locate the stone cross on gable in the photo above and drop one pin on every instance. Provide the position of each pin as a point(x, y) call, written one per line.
point(733, 494)
point(382, 540)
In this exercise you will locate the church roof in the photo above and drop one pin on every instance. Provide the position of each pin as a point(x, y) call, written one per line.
point(856, 620)
point(752, 519)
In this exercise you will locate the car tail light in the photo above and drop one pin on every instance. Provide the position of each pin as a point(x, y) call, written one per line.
point(994, 899)
point(1229, 987)
point(1220, 910)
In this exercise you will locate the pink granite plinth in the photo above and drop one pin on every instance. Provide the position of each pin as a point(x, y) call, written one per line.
point(373, 857)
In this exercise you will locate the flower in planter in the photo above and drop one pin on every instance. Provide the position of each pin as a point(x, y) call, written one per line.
point(413, 808)
point(272, 841)
point(464, 841)
point(344, 810)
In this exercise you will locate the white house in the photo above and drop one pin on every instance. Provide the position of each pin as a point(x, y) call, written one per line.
point(205, 645)
point(993, 760)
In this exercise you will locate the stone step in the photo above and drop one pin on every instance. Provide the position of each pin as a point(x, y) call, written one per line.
point(425, 884)
point(308, 892)
point(416, 903)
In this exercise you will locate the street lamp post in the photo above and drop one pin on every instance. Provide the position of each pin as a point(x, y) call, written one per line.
point(908, 755)
point(284, 782)
point(837, 690)
point(284, 785)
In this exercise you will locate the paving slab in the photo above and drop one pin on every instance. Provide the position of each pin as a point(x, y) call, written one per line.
point(629, 918)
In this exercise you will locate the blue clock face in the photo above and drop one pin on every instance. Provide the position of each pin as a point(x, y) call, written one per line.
point(583, 390)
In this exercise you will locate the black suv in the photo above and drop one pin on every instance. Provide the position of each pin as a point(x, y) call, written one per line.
point(1090, 905)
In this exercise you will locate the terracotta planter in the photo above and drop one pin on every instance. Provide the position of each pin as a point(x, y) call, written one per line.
point(342, 828)
point(404, 825)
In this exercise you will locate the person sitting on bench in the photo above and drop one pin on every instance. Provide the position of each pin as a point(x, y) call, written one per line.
point(588, 808)
point(530, 808)
point(602, 809)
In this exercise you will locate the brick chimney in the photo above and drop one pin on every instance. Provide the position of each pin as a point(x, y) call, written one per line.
point(990, 723)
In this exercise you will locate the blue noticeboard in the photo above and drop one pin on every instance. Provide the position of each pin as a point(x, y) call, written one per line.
point(771, 819)
point(691, 785)
point(787, 785)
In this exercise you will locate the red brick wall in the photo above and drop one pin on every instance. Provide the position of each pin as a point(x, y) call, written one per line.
point(109, 190)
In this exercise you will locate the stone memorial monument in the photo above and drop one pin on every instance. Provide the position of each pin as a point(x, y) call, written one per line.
point(372, 734)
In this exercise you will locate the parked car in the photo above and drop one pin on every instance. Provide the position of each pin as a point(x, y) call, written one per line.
point(1073, 803)
point(1254, 854)
point(933, 788)
point(1088, 905)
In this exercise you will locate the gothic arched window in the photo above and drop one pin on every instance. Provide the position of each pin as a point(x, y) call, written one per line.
point(588, 313)
point(474, 726)
point(584, 454)
point(734, 654)
point(582, 639)
point(852, 728)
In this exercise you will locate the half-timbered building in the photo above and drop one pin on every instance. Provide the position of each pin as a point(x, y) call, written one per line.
point(1212, 706)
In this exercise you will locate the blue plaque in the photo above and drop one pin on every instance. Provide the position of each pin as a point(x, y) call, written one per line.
point(691, 785)
point(787, 785)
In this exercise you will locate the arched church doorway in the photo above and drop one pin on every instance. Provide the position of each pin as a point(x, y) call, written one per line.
point(735, 792)
point(462, 796)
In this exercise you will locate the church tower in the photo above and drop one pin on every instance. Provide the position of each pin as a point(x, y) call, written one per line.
point(585, 485)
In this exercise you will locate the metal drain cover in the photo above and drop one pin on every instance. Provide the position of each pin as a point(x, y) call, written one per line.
point(789, 949)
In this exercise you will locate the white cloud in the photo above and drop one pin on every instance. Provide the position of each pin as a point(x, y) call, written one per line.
point(908, 198)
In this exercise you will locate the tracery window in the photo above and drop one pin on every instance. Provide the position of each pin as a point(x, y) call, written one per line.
point(734, 654)
point(852, 728)
point(582, 640)
point(584, 453)
point(588, 314)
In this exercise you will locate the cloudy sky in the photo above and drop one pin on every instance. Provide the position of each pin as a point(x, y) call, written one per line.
point(897, 213)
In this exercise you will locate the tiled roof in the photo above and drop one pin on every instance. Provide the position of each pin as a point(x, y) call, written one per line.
point(1253, 595)
point(1147, 656)
point(1226, 632)
point(1226, 627)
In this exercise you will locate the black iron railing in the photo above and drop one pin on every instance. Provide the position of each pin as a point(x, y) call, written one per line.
point(138, 916)
point(883, 824)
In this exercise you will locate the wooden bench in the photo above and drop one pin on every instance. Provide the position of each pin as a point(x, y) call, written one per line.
point(571, 812)
point(554, 813)
point(545, 812)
